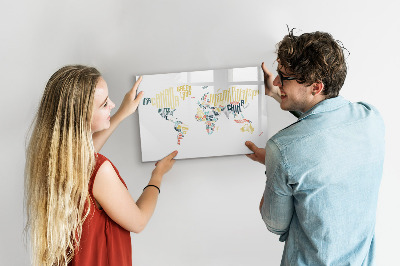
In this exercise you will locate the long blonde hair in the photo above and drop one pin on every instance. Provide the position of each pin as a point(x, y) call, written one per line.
point(59, 161)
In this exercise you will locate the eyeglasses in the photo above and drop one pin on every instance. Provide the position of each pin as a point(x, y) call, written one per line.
point(282, 78)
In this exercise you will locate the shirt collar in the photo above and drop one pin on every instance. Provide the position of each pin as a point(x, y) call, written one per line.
point(325, 106)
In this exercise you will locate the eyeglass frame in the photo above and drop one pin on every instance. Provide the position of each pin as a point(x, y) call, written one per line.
point(282, 78)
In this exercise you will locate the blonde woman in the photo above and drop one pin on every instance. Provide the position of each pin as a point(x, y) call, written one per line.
point(78, 207)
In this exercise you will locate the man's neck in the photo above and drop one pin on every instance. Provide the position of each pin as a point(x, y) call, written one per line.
point(316, 100)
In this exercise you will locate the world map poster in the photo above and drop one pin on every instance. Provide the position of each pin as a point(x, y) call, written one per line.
point(202, 113)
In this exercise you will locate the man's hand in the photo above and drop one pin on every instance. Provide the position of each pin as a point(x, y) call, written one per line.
point(258, 155)
point(270, 89)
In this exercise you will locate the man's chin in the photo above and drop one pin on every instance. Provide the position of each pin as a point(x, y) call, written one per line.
point(285, 108)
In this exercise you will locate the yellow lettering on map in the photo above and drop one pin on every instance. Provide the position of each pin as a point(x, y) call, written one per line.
point(232, 94)
point(247, 128)
point(165, 99)
point(184, 91)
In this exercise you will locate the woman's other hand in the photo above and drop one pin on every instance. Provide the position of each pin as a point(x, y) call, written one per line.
point(165, 164)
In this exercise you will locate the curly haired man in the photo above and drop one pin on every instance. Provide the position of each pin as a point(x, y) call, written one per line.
point(323, 171)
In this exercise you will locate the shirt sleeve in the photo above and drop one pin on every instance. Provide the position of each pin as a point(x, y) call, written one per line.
point(277, 209)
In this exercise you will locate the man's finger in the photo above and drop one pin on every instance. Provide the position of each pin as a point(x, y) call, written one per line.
point(265, 69)
point(251, 156)
point(251, 146)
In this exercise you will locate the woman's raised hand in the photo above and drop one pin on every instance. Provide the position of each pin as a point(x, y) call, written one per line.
point(131, 101)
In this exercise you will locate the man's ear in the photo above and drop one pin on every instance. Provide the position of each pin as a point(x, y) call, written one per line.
point(317, 88)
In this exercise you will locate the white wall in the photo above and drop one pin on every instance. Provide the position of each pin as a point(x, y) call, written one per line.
point(208, 208)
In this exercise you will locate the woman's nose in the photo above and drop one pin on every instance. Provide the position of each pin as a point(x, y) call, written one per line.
point(112, 105)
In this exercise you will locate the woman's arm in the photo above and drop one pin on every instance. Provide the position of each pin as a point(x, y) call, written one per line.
point(116, 201)
point(128, 107)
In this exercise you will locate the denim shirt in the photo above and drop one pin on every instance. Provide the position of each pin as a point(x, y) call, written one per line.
point(323, 176)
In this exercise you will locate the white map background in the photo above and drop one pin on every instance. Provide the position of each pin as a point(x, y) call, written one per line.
point(200, 126)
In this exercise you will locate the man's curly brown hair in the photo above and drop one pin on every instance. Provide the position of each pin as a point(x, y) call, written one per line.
point(314, 57)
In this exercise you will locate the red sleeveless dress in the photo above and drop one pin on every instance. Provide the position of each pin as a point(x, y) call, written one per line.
point(103, 241)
